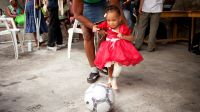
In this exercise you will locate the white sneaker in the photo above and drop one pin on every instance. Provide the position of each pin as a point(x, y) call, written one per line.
point(61, 46)
point(52, 48)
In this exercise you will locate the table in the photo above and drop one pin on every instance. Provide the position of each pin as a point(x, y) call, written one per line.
point(179, 14)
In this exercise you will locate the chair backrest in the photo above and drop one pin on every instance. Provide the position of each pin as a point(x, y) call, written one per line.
point(9, 27)
point(71, 31)
point(9, 24)
point(75, 27)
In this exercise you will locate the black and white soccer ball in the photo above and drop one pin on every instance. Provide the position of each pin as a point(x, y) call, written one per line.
point(99, 98)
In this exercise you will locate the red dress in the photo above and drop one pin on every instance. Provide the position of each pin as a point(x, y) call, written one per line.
point(115, 49)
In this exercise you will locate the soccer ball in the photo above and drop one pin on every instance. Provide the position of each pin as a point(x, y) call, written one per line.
point(99, 98)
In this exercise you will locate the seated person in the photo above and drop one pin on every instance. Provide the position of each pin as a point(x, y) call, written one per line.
point(30, 20)
point(13, 10)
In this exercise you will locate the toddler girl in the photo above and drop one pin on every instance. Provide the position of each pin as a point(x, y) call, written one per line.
point(117, 50)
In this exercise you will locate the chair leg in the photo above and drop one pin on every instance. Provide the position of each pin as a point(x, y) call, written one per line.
point(70, 32)
point(21, 39)
point(14, 38)
point(37, 33)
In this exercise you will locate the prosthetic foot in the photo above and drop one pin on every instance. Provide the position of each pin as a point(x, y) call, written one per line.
point(115, 75)
point(109, 84)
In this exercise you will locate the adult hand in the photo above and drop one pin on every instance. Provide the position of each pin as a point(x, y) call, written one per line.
point(126, 4)
point(140, 7)
point(140, 10)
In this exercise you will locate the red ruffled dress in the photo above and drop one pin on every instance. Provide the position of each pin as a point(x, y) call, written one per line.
point(115, 49)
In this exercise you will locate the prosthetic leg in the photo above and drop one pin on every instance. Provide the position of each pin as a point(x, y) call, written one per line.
point(115, 75)
point(110, 72)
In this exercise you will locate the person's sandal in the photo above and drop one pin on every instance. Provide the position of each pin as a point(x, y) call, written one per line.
point(93, 77)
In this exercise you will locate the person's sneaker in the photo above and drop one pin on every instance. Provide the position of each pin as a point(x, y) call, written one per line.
point(139, 49)
point(61, 46)
point(104, 70)
point(151, 49)
point(93, 77)
point(52, 48)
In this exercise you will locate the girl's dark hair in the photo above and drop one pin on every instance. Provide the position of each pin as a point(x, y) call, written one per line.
point(113, 8)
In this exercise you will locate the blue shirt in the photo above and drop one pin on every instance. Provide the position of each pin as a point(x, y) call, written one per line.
point(52, 3)
point(92, 1)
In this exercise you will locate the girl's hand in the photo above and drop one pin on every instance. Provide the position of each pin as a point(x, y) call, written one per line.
point(103, 33)
point(125, 37)
point(95, 28)
point(120, 35)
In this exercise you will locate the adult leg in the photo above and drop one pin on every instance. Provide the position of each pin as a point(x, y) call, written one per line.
point(36, 40)
point(54, 33)
point(94, 12)
point(127, 15)
point(88, 36)
point(154, 23)
point(43, 29)
point(59, 38)
point(142, 25)
point(51, 34)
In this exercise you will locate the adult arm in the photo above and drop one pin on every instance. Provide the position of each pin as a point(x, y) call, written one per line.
point(77, 6)
point(125, 33)
point(8, 13)
point(140, 7)
point(127, 37)
point(126, 3)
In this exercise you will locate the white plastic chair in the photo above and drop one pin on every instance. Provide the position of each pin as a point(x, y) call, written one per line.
point(71, 31)
point(75, 29)
point(10, 28)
